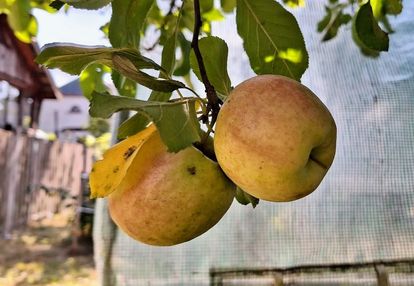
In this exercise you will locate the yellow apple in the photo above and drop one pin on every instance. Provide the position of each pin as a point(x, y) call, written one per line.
point(274, 138)
point(169, 198)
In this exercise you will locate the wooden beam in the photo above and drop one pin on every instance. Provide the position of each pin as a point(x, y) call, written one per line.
point(382, 275)
point(35, 112)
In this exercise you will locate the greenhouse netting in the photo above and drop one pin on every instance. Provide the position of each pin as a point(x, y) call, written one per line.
point(358, 225)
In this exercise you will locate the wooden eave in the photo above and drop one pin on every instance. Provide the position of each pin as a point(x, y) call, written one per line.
point(20, 69)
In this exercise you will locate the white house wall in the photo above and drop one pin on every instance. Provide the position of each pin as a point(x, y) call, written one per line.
point(66, 119)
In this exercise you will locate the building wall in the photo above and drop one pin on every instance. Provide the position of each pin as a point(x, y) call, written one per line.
point(69, 112)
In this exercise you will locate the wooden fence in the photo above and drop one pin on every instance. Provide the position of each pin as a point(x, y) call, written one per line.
point(36, 176)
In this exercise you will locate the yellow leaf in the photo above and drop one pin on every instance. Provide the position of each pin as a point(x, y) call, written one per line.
point(108, 173)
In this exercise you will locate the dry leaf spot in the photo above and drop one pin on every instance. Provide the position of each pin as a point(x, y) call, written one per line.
point(116, 169)
point(129, 152)
point(192, 170)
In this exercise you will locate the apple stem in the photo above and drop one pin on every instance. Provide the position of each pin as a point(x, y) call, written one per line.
point(213, 101)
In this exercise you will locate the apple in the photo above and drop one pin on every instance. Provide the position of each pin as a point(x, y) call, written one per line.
point(274, 138)
point(169, 198)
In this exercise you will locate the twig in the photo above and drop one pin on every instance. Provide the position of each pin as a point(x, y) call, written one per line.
point(164, 23)
point(213, 104)
point(196, 94)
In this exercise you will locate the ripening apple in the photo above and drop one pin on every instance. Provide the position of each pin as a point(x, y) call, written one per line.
point(169, 198)
point(274, 138)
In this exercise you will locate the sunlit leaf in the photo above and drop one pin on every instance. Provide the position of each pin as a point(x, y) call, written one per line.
point(176, 121)
point(21, 21)
point(128, 17)
point(29, 33)
point(214, 52)
point(294, 3)
point(213, 15)
point(206, 28)
point(91, 79)
point(292, 55)
point(108, 173)
point(269, 30)
point(377, 8)
point(105, 29)
point(19, 16)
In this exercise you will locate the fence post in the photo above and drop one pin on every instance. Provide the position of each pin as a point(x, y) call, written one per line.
point(11, 183)
point(382, 275)
point(77, 231)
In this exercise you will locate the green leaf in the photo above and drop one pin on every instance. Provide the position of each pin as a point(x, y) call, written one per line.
point(206, 5)
point(176, 121)
point(332, 21)
point(377, 8)
point(91, 79)
point(57, 4)
point(294, 3)
point(228, 5)
point(364, 50)
point(132, 125)
point(187, 15)
point(29, 33)
point(368, 31)
point(244, 198)
point(128, 17)
point(140, 121)
point(127, 69)
point(75, 58)
point(125, 86)
point(87, 4)
point(213, 15)
point(272, 38)
point(21, 21)
point(155, 16)
point(19, 16)
point(168, 54)
point(214, 52)
point(128, 61)
point(183, 67)
point(393, 7)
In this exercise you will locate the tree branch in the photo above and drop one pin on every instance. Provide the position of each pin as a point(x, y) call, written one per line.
point(213, 104)
point(164, 23)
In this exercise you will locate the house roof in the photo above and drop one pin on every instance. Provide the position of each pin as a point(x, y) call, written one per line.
point(17, 66)
point(72, 88)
